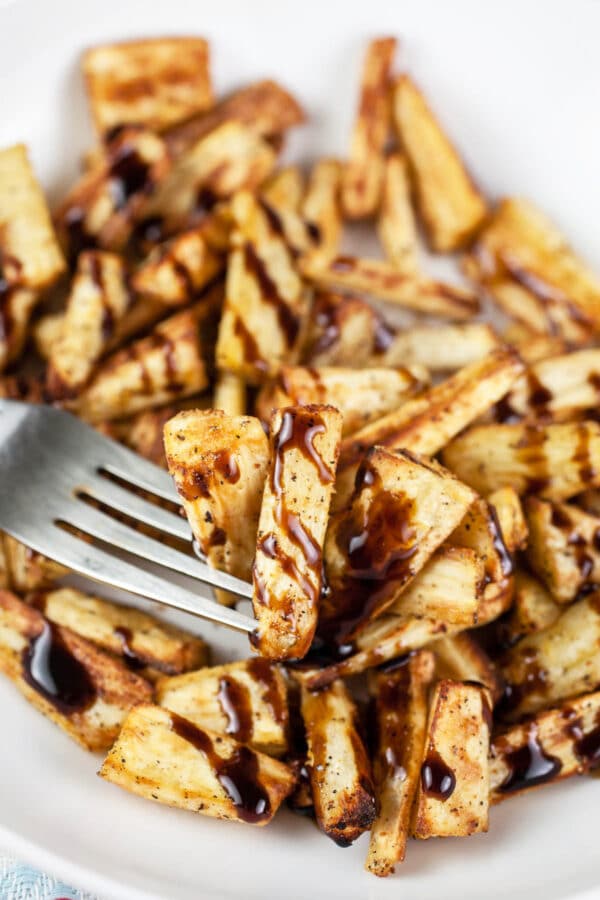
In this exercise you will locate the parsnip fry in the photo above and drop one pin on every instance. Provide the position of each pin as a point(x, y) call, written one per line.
point(162, 756)
point(447, 588)
point(83, 690)
point(361, 395)
point(559, 662)
point(383, 280)
point(169, 363)
point(554, 461)
point(284, 189)
point(230, 394)
point(155, 82)
point(451, 207)
point(102, 208)
point(321, 209)
point(440, 348)
point(246, 700)
point(402, 508)
point(176, 272)
point(453, 794)
point(461, 658)
point(396, 225)
point(362, 181)
point(288, 568)
point(98, 300)
point(533, 609)
point(401, 717)
point(340, 773)
point(556, 389)
point(139, 638)
point(524, 262)
point(219, 464)
point(266, 302)
point(563, 547)
point(426, 423)
point(548, 747)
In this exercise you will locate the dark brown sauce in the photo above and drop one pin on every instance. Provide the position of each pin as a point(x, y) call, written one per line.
point(289, 322)
point(298, 430)
point(274, 219)
point(226, 465)
point(10, 277)
point(218, 537)
point(534, 680)
point(234, 699)
point(379, 542)
point(531, 450)
point(326, 316)
point(560, 519)
point(206, 200)
point(540, 397)
point(582, 456)
point(314, 232)
point(270, 546)
point(252, 354)
point(239, 775)
point(437, 778)
point(53, 671)
point(132, 660)
point(594, 380)
point(184, 277)
point(96, 274)
point(391, 705)
point(77, 236)
point(529, 765)
point(147, 233)
point(129, 175)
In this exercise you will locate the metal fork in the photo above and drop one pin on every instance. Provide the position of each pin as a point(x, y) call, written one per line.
point(50, 462)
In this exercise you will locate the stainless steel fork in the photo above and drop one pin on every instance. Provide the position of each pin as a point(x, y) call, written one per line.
point(51, 466)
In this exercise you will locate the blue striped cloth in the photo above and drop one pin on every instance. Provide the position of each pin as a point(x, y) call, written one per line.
point(20, 882)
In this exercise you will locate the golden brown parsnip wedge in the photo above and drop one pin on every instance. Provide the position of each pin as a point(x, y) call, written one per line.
point(400, 696)
point(321, 209)
point(451, 206)
point(46, 331)
point(155, 82)
point(590, 501)
point(284, 189)
point(563, 548)
point(533, 609)
point(265, 107)
point(26, 569)
point(383, 280)
point(525, 263)
point(447, 588)
point(82, 689)
point(396, 224)
point(554, 461)
point(533, 346)
point(4, 573)
point(426, 423)
point(363, 173)
point(154, 370)
point(507, 505)
point(30, 255)
point(340, 772)
point(230, 394)
point(385, 638)
point(219, 465)
point(440, 348)
point(403, 507)
point(288, 568)
point(559, 662)
point(177, 271)
point(101, 209)
point(550, 746)
point(556, 389)
point(266, 301)
point(229, 159)
point(246, 700)
point(138, 637)
point(453, 793)
point(461, 658)
point(99, 298)
point(345, 331)
point(162, 756)
point(361, 395)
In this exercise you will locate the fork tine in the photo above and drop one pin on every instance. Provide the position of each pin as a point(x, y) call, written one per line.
point(100, 566)
point(99, 525)
point(132, 467)
point(135, 507)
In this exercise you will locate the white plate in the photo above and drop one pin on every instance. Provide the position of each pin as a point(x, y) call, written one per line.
point(517, 84)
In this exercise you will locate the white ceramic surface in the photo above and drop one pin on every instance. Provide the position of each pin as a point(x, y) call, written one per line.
point(517, 83)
